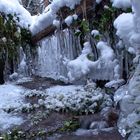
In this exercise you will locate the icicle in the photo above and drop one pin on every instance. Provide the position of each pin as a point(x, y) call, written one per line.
point(53, 51)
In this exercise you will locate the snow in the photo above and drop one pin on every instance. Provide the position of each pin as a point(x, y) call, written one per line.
point(13, 76)
point(82, 66)
point(128, 29)
point(75, 17)
point(14, 7)
point(11, 96)
point(56, 23)
point(8, 120)
point(106, 51)
point(115, 83)
point(38, 22)
point(95, 33)
point(75, 98)
point(105, 68)
point(50, 13)
point(124, 25)
point(128, 96)
point(69, 20)
point(121, 3)
point(42, 21)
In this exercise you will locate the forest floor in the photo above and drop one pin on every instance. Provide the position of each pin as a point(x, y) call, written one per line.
point(38, 124)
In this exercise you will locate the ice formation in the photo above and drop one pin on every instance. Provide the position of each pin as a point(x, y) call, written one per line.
point(128, 97)
point(54, 52)
point(128, 29)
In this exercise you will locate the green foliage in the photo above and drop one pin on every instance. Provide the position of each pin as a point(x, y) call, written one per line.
point(90, 57)
point(15, 134)
point(105, 20)
point(97, 37)
point(83, 27)
point(129, 10)
point(70, 126)
point(12, 36)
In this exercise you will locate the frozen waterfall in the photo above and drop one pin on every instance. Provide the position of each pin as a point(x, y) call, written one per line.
point(54, 50)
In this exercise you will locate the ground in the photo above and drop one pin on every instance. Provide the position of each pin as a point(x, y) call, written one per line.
point(28, 114)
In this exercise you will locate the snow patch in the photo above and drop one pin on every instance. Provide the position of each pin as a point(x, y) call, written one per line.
point(11, 96)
